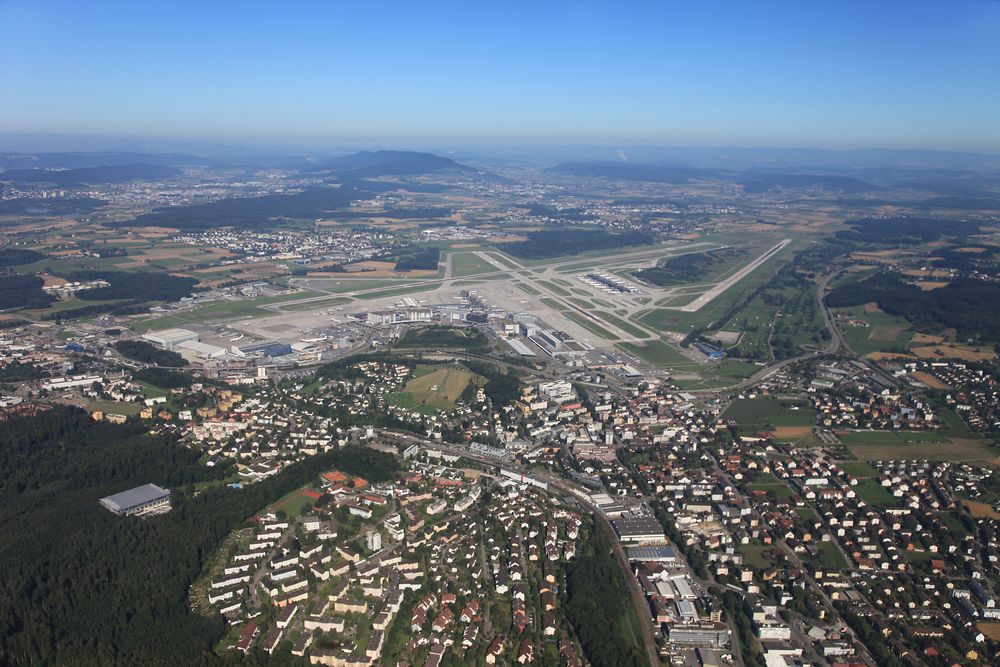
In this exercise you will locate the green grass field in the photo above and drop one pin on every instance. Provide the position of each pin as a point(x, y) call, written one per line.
point(401, 291)
point(874, 493)
point(766, 412)
point(552, 287)
point(620, 323)
point(888, 437)
point(757, 555)
point(319, 304)
point(659, 353)
point(467, 263)
point(829, 557)
point(857, 468)
point(434, 388)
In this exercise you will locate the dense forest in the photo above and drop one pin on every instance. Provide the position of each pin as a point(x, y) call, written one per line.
point(983, 261)
point(17, 371)
point(162, 377)
point(756, 183)
point(251, 212)
point(418, 259)
point(901, 231)
point(140, 350)
point(121, 173)
point(79, 585)
point(502, 388)
point(962, 305)
point(19, 256)
point(136, 287)
point(568, 241)
point(680, 269)
point(442, 336)
point(97, 309)
point(599, 604)
point(49, 205)
point(23, 292)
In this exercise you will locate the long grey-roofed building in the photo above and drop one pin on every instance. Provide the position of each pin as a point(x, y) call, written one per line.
point(656, 553)
point(145, 499)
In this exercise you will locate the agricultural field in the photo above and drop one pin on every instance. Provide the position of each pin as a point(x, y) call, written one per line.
point(884, 333)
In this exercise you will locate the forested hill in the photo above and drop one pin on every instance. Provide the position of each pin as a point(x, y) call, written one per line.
point(251, 212)
point(81, 586)
point(105, 174)
point(389, 163)
point(765, 182)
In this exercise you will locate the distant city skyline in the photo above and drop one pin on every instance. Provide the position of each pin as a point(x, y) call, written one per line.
point(826, 75)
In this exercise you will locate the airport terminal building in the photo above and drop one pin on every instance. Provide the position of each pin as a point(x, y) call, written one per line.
point(142, 500)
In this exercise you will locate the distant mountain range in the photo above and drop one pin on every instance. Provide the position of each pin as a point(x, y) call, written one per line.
point(368, 164)
point(629, 171)
point(752, 181)
point(97, 175)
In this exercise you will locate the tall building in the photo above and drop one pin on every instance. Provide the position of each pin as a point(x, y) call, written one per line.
point(373, 540)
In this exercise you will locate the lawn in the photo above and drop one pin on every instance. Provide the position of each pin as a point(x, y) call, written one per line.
point(621, 324)
point(660, 353)
point(757, 555)
point(771, 485)
point(954, 525)
point(589, 325)
point(319, 304)
point(874, 493)
point(351, 284)
point(552, 287)
point(504, 260)
point(857, 468)
point(527, 289)
point(467, 264)
point(829, 556)
point(410, 289)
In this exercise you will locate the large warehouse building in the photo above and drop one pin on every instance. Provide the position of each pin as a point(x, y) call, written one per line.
point(168, 339)
point(142, 500)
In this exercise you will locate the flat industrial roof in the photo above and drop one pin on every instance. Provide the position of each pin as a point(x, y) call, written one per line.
point(637, 525)
point(653, 553)
point(519, 347)
point(138, 496)
point(170, 334)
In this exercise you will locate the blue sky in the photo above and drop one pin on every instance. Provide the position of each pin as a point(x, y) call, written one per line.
point(750, 73)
